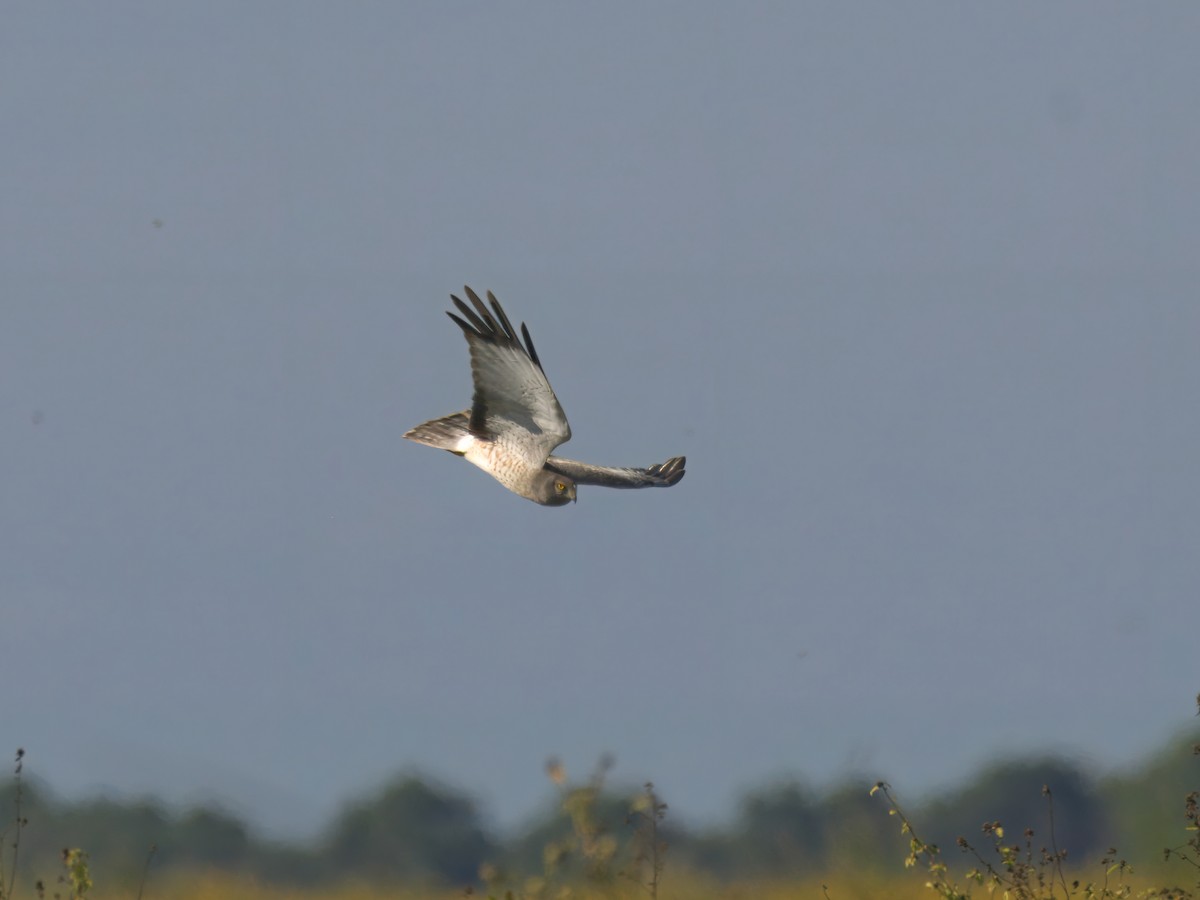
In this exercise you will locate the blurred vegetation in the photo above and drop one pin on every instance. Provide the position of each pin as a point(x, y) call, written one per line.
point(1029, 827)
point(413, 831)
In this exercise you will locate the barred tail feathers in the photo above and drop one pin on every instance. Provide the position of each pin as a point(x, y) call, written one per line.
point(450, 432)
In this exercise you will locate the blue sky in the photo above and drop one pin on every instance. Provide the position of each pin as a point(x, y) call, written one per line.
point(913, 287)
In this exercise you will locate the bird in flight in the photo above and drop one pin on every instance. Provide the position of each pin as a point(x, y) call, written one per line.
point(515, 419)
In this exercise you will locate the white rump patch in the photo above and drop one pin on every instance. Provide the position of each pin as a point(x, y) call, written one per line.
point(464, 443)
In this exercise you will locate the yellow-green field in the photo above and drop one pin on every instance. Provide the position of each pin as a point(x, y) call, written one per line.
point(907, 886)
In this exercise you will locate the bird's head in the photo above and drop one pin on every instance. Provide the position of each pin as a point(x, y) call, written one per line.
point(553, 489)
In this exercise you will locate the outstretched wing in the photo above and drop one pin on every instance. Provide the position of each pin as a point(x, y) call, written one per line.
point(661, 475)
point(511, 390)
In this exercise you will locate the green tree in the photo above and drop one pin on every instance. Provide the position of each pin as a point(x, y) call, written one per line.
point(1011, 793)
point(779, 832)
point(412, 830)
point(117, 836)
point(1147, 804)
point(211, 837)
point(856, 836)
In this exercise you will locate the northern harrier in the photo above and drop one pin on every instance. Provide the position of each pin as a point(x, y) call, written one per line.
point(515, 420)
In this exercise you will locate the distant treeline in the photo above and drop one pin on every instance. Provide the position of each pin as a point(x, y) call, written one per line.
point(418, 829)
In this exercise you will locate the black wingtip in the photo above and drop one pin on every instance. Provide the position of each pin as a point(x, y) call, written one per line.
point(491, 325)
point(478, 326)
point(501, 316)
point(481, 313)
point(474, 298)
point(529, 346)
point(459, 322)
point(672, 471)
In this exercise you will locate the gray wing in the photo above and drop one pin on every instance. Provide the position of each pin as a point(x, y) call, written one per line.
point(661, 475)
point(511, 390)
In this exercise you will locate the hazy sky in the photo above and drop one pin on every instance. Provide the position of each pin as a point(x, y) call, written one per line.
point(914, 287)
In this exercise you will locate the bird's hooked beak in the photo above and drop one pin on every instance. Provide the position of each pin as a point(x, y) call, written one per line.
point(574, 494)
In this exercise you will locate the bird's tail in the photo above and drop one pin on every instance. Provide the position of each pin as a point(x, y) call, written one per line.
point(450, 432)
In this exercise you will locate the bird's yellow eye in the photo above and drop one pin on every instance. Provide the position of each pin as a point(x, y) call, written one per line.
point(559, 486)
